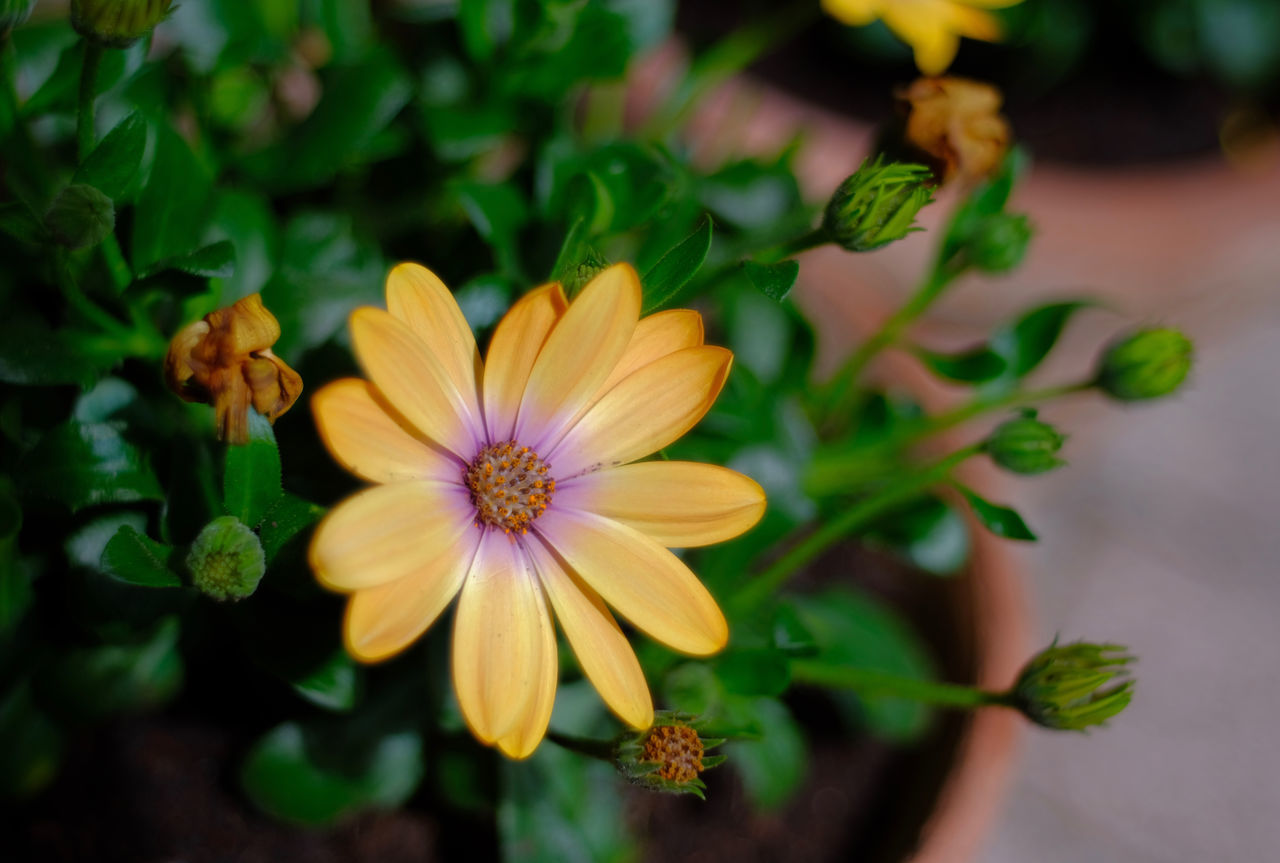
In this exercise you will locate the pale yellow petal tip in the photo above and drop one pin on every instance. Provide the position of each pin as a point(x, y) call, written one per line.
point(410, 272)
point(518, 748)
point(619, 276)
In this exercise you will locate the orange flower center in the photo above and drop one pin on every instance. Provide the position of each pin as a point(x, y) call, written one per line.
point(678, 749)
point(509, 486)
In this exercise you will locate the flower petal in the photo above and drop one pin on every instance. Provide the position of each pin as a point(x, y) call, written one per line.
point(678, 504)
point(645, 412)
point(656, 336)
point(413, 379)
point(603, 652)
point(416, 296)
point(855, 13)
point(366, 437)
point(503, 640)
point(643, 581)
point(516, 342)
point(388, 532)
point(927, 32)
point(584, 346)
point(382, 621)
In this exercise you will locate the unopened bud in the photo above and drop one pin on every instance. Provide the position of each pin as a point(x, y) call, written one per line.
point(80, 217)
point(225, 360)
point(1025, 445)
point(13, 13)
point(999, 242)
point(877, 205)
point(1075, 686)
point(592, 264)
point(226, 561)
point(1145, 365)
point(117, 23)
point(669, 756)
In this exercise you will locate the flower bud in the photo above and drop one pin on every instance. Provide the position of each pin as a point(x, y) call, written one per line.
point(226, 561)
point(1147, 364)
point(999, 242)
point(225, 360)
point(13, 13)
point(877, 205)
point(668, 756)
point(80, 217)
point(117, 23)
point(955, 125)
point(1074, 686)
point(1025, 445)
point(585, 270)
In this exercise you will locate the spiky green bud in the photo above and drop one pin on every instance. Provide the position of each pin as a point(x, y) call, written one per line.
point(667, 756)
point(226, 561)
point(877, 205)
point(117, 23)
point(80, 217)
point(1025, 445)
point(1147, 364)
point(1075, 686)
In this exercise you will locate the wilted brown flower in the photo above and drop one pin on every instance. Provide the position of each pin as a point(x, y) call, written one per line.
point(225, 360)
point(956, 125)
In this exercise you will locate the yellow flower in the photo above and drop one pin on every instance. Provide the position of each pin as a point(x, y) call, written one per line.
point(931, 27)
point(511, 484)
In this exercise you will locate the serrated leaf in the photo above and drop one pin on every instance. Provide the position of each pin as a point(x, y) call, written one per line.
point(83, 464)
point(286, 517)
point(674, 270)
point(251, 476)
point(137, 559)
point(216, 260)
point(113, 164)
point(773, 280)
point(1000, 520)
point(976, 366)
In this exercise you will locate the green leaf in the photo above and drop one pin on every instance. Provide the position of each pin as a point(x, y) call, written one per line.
point(120, 678)
point(333, 685)
point(170, 212)
point(987, 199)
point(304, 776)
point(285, 519)
point(137, 559)
point(975, 366)
point(84, 464)
point(1000, 520)
point(216, 260)
point(17, 220)
point(854, 629)
point(33, 354)
point(930, 534)
point(1028, 340)
point(773, 280)
point(674, 270)
point(113, 164)
point(246, 219)
point(754, 671)
point(498, 211)
point(251, 477)
point(753, 196)
point(773, 766)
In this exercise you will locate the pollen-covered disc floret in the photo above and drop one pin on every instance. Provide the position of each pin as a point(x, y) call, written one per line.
point(510, 486)
point(678, 749)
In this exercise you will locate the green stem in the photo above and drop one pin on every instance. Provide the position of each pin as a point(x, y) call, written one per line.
point(844, 392)
point(761, 587)
point(77, 300)
point(865, 681)
point(601, 750)
point(803, 243)
point(117, 266)
point(85, 136)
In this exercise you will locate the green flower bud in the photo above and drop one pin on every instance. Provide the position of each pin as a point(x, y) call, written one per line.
point(667, 756)
point(1147, 364)
point(999, 242)
point(80, 217)
point(117, 23)
point(877, 205)
point(13, 13)
point(592, 263)
point(226, 561)
point(1025, 445)
point(1075, 686)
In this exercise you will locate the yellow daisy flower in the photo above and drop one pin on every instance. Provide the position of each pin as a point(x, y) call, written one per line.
point(511, 484)
point(931, 27)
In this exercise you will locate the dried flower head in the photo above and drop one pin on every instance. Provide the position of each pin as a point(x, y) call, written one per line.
point(225, 360)
point(955, 125)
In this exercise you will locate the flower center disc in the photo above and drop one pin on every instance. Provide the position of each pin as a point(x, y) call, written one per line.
point(509, 486)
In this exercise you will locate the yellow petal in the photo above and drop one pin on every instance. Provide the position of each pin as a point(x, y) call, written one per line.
point(388, 532)
point(516, 342)
point(521, 741)
point(926, 29)
point(364, 436)
point(503, 640)
point(584, 346)
point(855, 13)
point(382, 621)
point(603, 652)
point(678, 504)
point(408, 373)
point(975, 24)
point(655, 337)
point(645, 412)
point(416, 296)
point(644, 582)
